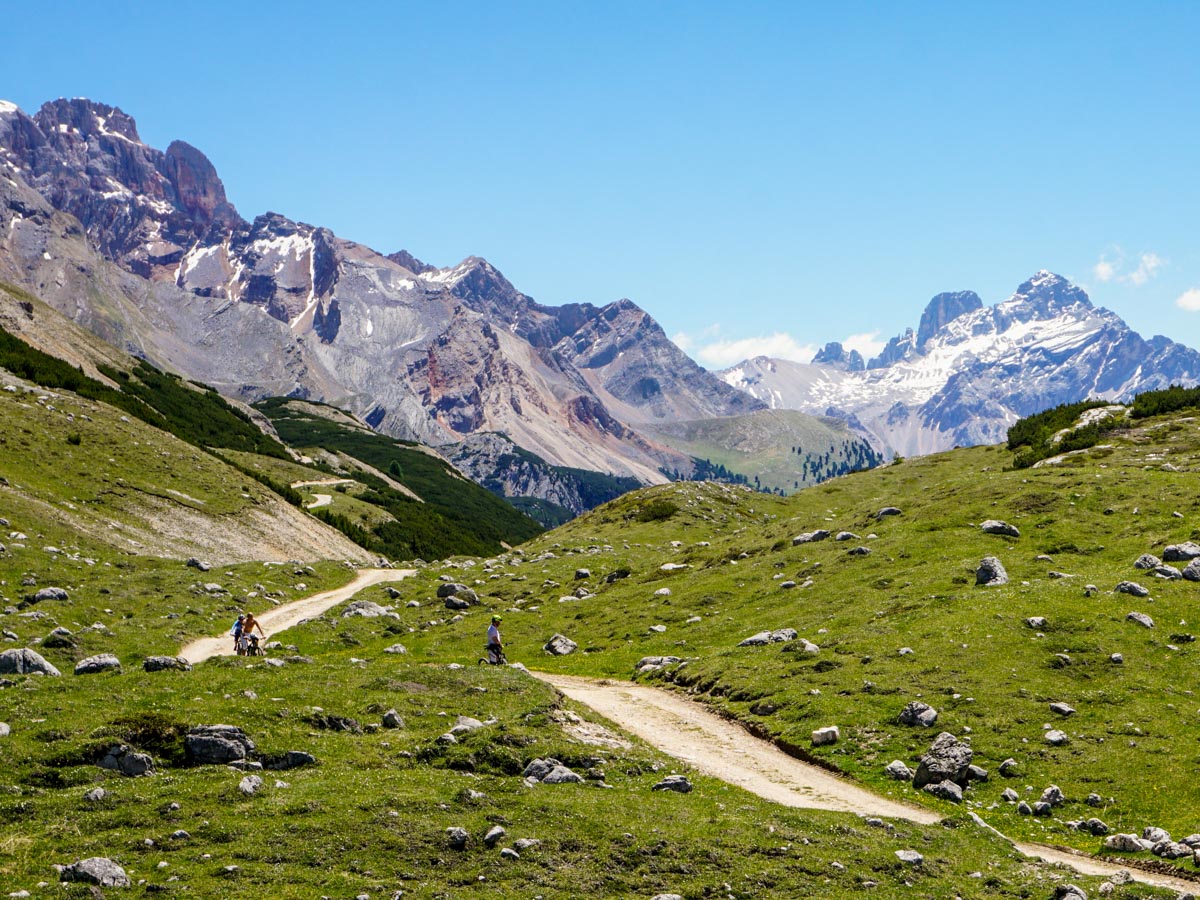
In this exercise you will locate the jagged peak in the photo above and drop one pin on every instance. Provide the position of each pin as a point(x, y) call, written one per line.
point(7, 107)
point(410, 262)
point(88, 118)
point(1047, 292)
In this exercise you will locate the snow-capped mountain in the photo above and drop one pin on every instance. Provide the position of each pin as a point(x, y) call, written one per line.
point(275, 306)
point(970, 371)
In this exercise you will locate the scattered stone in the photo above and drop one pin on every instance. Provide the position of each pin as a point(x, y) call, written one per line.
point(1055, 738)
point(947, 760)
point(991, 572)
point(98, 870)
point(523, 844)
point(673, 567)
point(1126, 843)
point(1132, 588)
point(946, 790)
point(49, 593)
point(912, 857)
point(654, 663)
point(250, 785)
point(1069, 892)
point(1009, 795)
point(677, 783)
point(195, 563)
point(810, 537)
point(918, 713)
point(368, 609)
point(1095, 827)
point(216, 745)
point(994, 526)
point(905, 651)
point(898, 770)
point(1168, 573)
point(1184, 552)
point(160, 663)
point(846, 536)
point(888, 511)
point(779, 636)
point(93, 665)
point(293, 759)
point(449, 589)
point(582, 574)
point(1116, 658)
point(1042, 808)
point(457, 838)
point(828, 735)
point(95, 795)
point(213, 588)
point(1147, 561)
point(123, 759)
point(976, 773)
point(510, 854)
point(859, 551)
point(1191, 572)
point(1024, 809)
point(1062, 709)
point(550, 771)
point(493, 835)
point(1155, 835)
point(560, 645)
point(25, 662)
point(1038, 623)
point(395, 648)
point(1053, 795)
point(1140, 619)
point(392, 719)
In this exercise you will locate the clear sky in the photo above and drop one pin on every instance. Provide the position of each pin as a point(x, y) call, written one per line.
point(761, 177)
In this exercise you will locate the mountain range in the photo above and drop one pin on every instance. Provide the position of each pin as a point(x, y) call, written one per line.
point(143, 247)
point(970, 371)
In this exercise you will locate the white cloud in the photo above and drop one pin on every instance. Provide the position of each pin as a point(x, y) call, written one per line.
point(867, 343)
point(1189, 300)
point(721, 354)
point(1148, 266)
point(1104, 270)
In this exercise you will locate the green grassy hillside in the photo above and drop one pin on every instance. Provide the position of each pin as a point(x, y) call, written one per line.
point(776, 450)
point(990, 675)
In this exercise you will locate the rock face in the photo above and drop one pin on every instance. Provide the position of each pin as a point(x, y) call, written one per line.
point(25, 662)
point(967, 374)
point(948, 759)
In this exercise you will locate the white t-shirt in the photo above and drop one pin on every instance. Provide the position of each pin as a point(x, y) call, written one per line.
point(493, 634)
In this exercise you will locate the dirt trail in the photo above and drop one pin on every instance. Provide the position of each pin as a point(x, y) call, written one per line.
point(288, 614)
point(320, 500)
point(688, 731)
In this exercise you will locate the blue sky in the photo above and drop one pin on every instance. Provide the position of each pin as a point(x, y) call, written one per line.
point(761, 177)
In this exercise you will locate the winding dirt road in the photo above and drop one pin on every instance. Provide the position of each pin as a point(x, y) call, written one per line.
point(688, 731)
point(288, 614)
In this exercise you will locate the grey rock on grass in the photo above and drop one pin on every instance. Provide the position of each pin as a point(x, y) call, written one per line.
point(1147, 561)
point(250, 785)
point(216, 745)
point(810, 537)
point(493, 835)
point(1126, 843)
point(1191, 571)
point(162, 663)
point(510, 854)
point(827, 735)
point(1132, 588)
point(25, 662)
point(898, 770)
point(368, 610)
point(1055, 738)
point(457, 838)
point(50, 593)
point(1184, 552)
point(1053, 795)
point(392, 719)
point(947, 760)
point(918, 713)
point(1062, 709)
point(560, 645)
point(97, 870)
point(889, 511)
point(121, 758)
point(779, 636)
point(677, 783)
point(103, 662)
point(395, 648)
point(991, 572)
point(995, 526)
point(1069, 892)
point(912, 857)
point(1142, 619)
point(946, 790)
point(5, 730)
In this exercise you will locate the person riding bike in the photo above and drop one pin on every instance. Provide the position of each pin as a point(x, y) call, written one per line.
point(495, 647)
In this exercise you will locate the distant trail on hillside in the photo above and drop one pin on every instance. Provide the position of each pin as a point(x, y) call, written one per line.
point(286, 615)
point(720, 748)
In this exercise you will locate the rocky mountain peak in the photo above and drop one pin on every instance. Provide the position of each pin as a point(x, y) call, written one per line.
point(943, 309)
point(83, 118)
point(1047, 294)
point(410, 262)
point(834, 354)
point(901, 347)
point(199, 191)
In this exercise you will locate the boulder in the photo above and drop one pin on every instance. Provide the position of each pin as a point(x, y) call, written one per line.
point(1054, 795)
point(395, 648)
point(1055, 738)
point(946, 790)
point(1184, 552)
point(493, 835)
point(195, 563)
point(392, 719)
point(368, 610)
point(583, 574)
point(457, 838)
point(1168, 573)
point(1126, 843)
point(540, 768)
point(995, 526)
point(918, 713)
point(560, 645)
point(103, 662)
point(1009, 768)
point(859, 551)
point(25, 662)
point(250, 785)
point(457, 602)
point(779, 636)
point(1192, 570)
point(49, 593)
point(216, 745)
point(677, 783)
point(5, 730)
point(97, 870)
point(293, 759)
point(1069, 892)
point(160, 663)
point(1147, 561)
point(1038, 623)
point(1062, 709)
point(889, 511)
point(810, 537)
point(1140, 619)
point(991, 572)
point(1008, 795)
point(463, 724)
point(123, 759)
point(1132, 588)
point(827, 735)
point(95, 795)
point(845, 536)
point(947, 760)
point(911, 857)
point(561, 775)
point(449, 589)
point(898, 770)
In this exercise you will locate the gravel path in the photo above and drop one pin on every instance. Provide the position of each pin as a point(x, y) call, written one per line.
point(713, 745)
point(286, 615)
